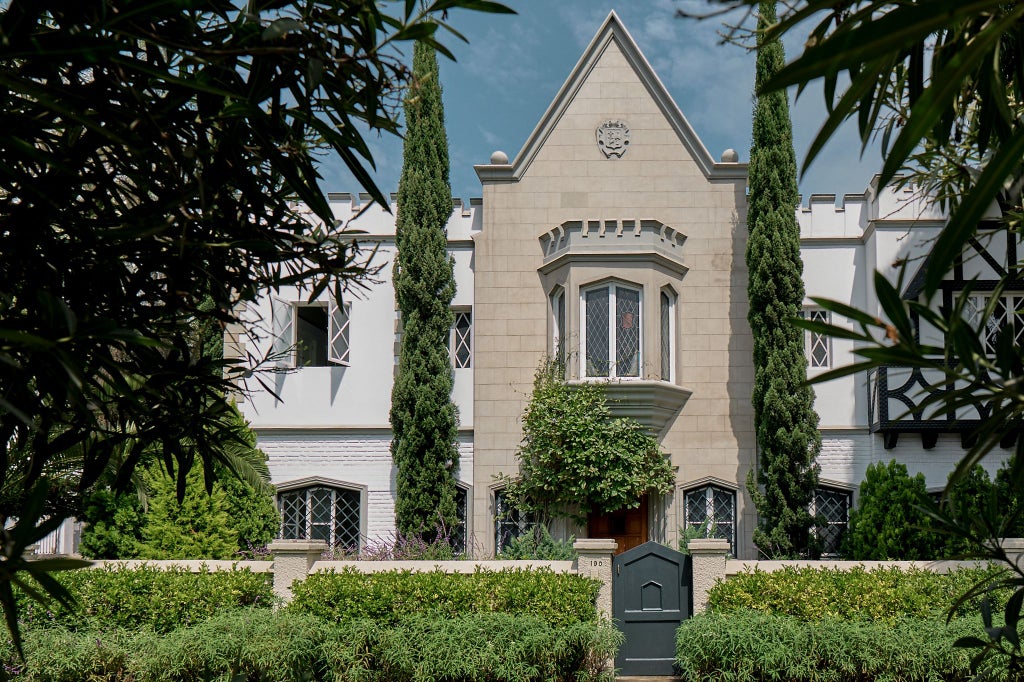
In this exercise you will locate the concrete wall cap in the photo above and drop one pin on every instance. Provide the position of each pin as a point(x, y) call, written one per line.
point(708, 546)
point(595, 545)
point(1012, 544)
point(297, 546)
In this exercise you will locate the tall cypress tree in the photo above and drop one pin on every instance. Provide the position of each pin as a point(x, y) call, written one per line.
point(423, 417)
point(785, 421)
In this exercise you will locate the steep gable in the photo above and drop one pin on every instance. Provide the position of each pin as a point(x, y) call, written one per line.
point(612, 48)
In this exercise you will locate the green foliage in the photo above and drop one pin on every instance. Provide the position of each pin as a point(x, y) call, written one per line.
point(537, 543)
point(575, 458)
point(112, 526)
point(124, 233)
point(148, 597)
point(263, 645)
point(784, 418)
point(881, 594)
point(216, 524)
point(424, 420)
point(559, 599)
point(749, 646)
point(890, 521)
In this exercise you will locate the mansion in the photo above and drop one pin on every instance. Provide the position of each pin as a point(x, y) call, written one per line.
point(614, 235)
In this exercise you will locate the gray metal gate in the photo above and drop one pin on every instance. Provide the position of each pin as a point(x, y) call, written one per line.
point(650, 598)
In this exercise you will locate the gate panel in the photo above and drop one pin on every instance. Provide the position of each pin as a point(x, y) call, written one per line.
point(650, 598)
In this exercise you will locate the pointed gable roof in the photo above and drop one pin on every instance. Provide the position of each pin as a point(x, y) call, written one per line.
point(611, 31)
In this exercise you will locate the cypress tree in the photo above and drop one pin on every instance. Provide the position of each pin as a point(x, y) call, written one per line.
point(423, 417)
point(785, 421)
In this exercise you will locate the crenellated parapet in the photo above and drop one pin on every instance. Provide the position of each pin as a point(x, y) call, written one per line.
point(358, 212)
point(597, 239)
point(856, 214)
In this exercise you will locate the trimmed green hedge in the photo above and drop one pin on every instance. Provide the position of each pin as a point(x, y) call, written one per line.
point(882, 594)
point(557, 598)
point(261, 645)
point(751, 646)
point(148, 597)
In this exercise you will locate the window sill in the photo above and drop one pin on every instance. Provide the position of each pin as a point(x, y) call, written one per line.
point(651, 402)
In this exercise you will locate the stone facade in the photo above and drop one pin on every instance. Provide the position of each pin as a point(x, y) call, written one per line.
point(613, 196)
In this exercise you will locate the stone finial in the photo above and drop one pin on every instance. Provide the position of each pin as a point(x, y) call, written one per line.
point(730, 156)
point(499, 158)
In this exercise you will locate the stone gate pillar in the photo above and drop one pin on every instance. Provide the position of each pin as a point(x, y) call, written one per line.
point(595, 561)
point(292, 561)
point(709, 558)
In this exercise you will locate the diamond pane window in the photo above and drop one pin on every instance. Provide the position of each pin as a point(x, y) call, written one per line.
point(321, 513)
point(627, 325)
point(597, 332)
point(1007, 310)
point(462, 339)
point(458, 534)
point(666, 336)
point(509, 523)
point(613, 339)
point(832, 508)
point(558, 313)
point(818, 346)
point(712, 512)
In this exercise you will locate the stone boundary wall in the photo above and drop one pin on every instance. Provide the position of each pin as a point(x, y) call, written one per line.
point(712, 565)
point(190, 565)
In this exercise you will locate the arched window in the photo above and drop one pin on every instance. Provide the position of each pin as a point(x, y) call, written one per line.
point(711, 511)
point(612, 338)
point(509, 522)
point(831, 506)
point(321, 512)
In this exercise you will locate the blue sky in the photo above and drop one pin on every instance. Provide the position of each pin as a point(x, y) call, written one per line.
point(505, 78)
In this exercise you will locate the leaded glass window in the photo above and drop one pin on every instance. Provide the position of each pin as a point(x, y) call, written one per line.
point(613, 336)
point(712, 511)
point(1007, 311)
point(462, 339)
point(509, 523)
point(832, 509)
point(666, 336)
point(558, 315)
point(458, 534)
point(818, 346)
point(321, 513)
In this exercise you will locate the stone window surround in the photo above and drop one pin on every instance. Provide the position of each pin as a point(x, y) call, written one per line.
point(691, 487)
point(651, 280)
point(320, 481)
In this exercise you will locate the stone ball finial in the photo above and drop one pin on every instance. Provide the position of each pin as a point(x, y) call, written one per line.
point(730, 156)
point(499, 158)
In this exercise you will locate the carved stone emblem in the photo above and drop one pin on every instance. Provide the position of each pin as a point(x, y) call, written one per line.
point(613, 138)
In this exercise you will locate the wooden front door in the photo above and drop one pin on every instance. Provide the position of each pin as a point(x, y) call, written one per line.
point(628, 527)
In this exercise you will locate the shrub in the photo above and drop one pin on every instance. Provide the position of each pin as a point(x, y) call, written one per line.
point(889, 522)
point(148, 597)
point(753, 646)
point(537, 543)
point(882, 594)
point(263, 645)
point(558, 599)
point(495, 646)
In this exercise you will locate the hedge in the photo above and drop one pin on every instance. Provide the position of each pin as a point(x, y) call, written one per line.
point(557, 598)
point(148, 597)
point(750, 646)
point(881, 594)
point(261, 645)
